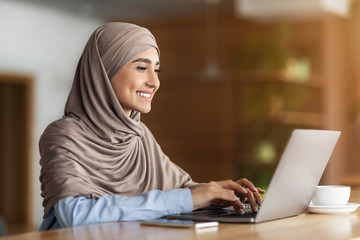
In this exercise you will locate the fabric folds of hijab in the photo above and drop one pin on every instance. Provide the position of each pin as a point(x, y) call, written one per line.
point(96, 149)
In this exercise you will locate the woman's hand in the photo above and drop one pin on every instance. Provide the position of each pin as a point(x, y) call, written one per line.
point(253, 193)
point(227, 193)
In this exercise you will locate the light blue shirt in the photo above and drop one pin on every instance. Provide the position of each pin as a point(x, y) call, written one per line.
point(76, 211)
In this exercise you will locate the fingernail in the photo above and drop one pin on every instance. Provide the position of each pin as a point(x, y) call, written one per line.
point(256, 209)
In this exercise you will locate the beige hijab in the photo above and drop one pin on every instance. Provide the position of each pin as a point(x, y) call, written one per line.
point(96, 149)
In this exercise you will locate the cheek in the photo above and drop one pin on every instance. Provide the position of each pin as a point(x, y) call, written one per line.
point(120, 92)
point(116, 88)
point(158, 85)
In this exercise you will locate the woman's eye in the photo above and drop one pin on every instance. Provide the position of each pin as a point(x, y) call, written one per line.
point(141, 68)
point(157, 71)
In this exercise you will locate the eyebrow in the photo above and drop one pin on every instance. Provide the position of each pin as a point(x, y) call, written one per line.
point(145, 60)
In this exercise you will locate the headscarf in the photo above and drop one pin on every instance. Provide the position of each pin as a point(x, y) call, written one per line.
point(96, 149)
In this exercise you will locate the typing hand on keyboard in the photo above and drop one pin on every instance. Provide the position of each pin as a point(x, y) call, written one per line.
point(227, 193)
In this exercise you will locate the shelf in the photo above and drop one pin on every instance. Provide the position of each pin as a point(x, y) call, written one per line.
point(301, 118)
point(256, 163)
point(265, 77)
point(287, 117)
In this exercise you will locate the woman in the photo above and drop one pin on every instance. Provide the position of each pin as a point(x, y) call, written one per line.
point(100, 163)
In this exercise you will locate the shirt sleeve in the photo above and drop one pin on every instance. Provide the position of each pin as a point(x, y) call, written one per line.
point(76, 211)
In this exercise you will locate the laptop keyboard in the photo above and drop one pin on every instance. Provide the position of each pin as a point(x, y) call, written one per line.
point(230, 211)
point(247, 208)
point(214, 213)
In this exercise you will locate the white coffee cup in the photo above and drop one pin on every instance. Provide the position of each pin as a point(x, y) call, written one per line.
point(331, 195)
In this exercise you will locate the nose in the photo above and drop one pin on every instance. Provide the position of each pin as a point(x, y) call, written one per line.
point(153, 80)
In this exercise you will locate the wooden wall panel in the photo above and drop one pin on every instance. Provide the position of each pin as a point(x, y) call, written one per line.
point(192, 117)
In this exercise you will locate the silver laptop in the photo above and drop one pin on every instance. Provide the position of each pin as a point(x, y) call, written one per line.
point(292, 185)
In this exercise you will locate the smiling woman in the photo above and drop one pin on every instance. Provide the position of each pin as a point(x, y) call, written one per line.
point(99, 162)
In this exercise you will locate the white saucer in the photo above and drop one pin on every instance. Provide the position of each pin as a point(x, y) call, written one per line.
point(348, 208)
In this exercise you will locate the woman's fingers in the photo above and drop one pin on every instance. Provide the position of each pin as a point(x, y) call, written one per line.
point(253, 196)
point(258, 197)
point(213, 192)
point(229, 184)
point(252, 202)
point(238, 209)
point(227, 193)
point(219, 192)
point(260, 190)
point(246, 183)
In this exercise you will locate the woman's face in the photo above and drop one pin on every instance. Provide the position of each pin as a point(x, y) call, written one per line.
point(137, 81)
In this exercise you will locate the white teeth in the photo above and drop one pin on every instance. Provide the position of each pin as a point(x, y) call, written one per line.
point(144, 94)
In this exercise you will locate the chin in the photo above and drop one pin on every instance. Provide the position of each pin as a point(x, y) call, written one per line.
point(144, 110)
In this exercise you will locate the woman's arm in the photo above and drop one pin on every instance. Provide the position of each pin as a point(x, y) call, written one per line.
point(75, 211)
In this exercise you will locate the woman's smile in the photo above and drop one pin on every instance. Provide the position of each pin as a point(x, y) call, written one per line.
point(145, 95)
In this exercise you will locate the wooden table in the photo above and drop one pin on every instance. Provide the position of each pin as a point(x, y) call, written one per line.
point(304, 227)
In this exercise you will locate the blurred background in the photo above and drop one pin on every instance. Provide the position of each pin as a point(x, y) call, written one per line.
point(237, 77)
